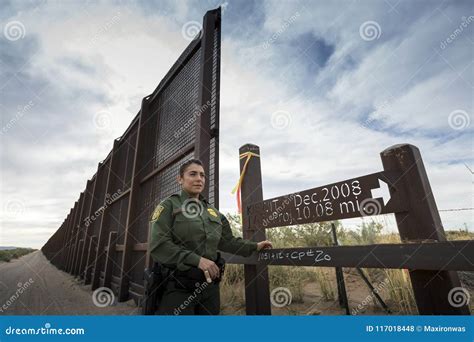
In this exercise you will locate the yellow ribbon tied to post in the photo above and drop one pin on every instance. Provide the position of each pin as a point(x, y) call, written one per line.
point(247, 155)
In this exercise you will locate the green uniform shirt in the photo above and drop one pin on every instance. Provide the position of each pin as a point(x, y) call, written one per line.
point(183, 230)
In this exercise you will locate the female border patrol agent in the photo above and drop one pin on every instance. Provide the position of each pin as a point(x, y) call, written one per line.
point(186, 234)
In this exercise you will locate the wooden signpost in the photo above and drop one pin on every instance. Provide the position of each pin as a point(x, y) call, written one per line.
point(431, 260)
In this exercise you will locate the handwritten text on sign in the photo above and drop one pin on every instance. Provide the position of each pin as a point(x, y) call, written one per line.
point(297, 255)
point(350, 198)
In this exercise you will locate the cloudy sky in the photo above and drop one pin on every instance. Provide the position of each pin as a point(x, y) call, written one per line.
point(321, 86)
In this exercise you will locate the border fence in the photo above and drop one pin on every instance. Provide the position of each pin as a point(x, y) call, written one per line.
point(104, 238)
point(432, 261)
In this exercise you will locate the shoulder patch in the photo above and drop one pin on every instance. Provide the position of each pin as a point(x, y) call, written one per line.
point(157, 212)
point(212, 212)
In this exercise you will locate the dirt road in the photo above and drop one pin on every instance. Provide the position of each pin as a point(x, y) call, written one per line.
point(31, 285)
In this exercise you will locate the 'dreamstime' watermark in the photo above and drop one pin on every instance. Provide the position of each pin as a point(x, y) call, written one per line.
point(20, 289)
point(370, 207)
point(281, 119)
point(277, 210)
point(191, 30)
point(459, 119)
point(281, 30)
point(280, 297)
point(102, 297)
point(379, 114)
point(192, 208)
point(370, 298)
point(370, 30)
point(457, 32)
point(458, 296)
point(108, 201)
point(104, 28)
point(199, 288)
point(19, 114)
point(192, 120)
point(14, 30)
point(14, 207)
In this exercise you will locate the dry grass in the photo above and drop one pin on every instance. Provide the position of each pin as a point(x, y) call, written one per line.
point(9, 254)
point(397, 291)
point(400, 292)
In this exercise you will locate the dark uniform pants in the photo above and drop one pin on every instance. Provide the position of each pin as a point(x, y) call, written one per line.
point(203, 300)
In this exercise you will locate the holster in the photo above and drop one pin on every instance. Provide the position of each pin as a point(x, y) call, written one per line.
point(155, 280)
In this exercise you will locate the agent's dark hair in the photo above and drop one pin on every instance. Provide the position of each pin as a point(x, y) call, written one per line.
point(185, 165)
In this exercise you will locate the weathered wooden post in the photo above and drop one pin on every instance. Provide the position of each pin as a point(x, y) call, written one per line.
point(257, 292)
point(341, 285)
point(421, 223)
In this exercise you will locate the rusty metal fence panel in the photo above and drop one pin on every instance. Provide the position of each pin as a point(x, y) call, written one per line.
point(103, 239)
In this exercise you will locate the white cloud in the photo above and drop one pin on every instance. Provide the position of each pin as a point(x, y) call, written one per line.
point(106, 58)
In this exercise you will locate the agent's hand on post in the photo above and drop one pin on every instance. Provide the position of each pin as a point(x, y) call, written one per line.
point(210, 269)
point(264, 245)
